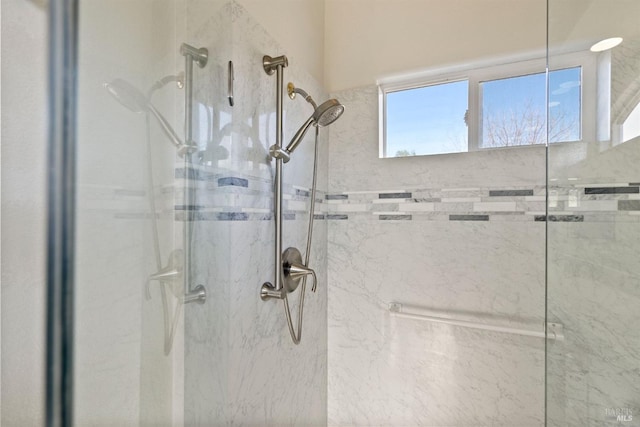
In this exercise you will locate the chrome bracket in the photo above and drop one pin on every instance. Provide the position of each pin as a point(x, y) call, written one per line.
point(198, 55)
point(197, 294)
point(270, 64)
point(187, 148)
point(279, 153)
point(268, 291)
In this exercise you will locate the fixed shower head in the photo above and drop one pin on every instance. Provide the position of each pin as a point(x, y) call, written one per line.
point(130, 97)
point(327, 113)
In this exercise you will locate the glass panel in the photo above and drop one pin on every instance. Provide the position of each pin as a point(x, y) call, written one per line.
point(565, 105)
point(151, 223)
point(125, 370)
point(23, 213)
point(592, 377)
point(446, 237)
point(513, 109)
point(631, 125)
point(427, 120)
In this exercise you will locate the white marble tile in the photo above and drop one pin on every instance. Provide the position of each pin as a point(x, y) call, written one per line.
point(461, 199)
point(595, 205)
point(416, 207)
point(390, 371)
point(494, 207)
point(348, 207)
point(241, 366)
point(434, 374)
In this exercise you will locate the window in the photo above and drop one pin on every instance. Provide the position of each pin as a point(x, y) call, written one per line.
point(513, 109)
point(427, 120)
point(493, 107)
point(631, 125)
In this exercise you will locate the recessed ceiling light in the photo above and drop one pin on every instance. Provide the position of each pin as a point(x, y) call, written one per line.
point(606, 44)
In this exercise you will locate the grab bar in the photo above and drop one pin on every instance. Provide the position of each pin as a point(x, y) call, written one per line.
point(554, 330)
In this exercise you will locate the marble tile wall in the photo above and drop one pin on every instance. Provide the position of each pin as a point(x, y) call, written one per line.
point(463, 235)
point(456, 234)
point(593, 377)
point(241, 366)
point(593, 276)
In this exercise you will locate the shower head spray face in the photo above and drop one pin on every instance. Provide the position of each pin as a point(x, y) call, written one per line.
point(328, 112)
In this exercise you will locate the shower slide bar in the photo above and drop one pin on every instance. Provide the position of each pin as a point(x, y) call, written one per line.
point(554, 330)
point(200, 56)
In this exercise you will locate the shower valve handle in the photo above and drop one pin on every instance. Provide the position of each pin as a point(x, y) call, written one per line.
point(297, 271)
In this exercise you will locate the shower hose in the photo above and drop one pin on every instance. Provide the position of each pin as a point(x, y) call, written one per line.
point(297, 337)
point(170, 322)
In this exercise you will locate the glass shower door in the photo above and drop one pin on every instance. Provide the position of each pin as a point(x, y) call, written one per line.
point(126, 372)
point(593, 282)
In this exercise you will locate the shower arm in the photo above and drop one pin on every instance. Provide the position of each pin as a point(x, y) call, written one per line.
point(276, 65)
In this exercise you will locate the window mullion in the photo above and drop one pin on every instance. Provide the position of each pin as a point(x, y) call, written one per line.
point(474, 113)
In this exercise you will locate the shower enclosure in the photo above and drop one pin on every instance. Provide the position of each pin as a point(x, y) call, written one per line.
point(494, 286)
point(593, 273)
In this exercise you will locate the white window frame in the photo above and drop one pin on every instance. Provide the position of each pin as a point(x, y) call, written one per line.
point(503, 70)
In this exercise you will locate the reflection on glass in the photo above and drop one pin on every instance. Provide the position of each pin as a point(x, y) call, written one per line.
point(565, 105)
point(514, 113)
point(631, 125)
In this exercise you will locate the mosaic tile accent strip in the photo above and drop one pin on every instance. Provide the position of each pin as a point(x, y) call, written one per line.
point(394, 217)
point(570, 203)
point(612, 190)
point(233, 181)
point(337, 196)
point(188, 207)
point(560, 218)
point(222, 195)
point(338, 217)
point(510, 193)
point(232, 216)
point(629, 205)
point(394, 195)
point(468, 217)
point(195, 174)
point(225, 195)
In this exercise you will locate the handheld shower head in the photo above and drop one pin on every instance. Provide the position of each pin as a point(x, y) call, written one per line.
point(131, 98)
point(127, 95)
point(325, 114)
point(328, 112)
